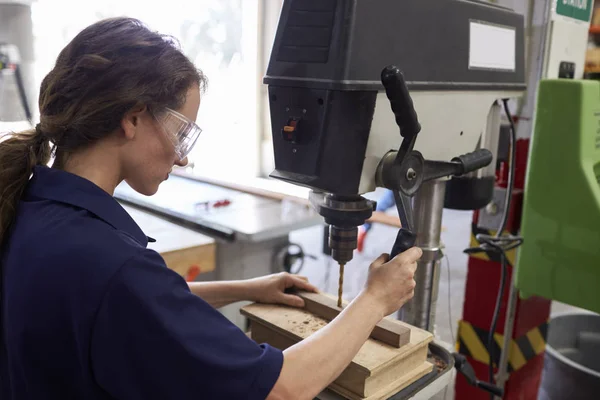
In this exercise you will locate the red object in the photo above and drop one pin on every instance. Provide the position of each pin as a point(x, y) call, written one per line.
point(360, 242)
point(192, 273)
point(521, 167)
point(483, 282)
point(221, 203)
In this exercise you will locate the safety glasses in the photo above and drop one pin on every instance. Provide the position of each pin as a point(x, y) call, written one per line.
point(182, 132)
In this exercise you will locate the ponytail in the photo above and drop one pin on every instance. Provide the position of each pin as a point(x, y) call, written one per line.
point(19, 153)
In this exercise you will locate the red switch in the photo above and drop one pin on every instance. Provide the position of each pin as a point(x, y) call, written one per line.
point(290, 131)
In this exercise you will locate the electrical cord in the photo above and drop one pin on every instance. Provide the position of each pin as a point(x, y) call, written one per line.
point(499, 244)
point(450, 319)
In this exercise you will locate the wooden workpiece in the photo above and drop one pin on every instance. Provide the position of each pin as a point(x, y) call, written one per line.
point(376, 372)
point(184, 251)
point(386, 331)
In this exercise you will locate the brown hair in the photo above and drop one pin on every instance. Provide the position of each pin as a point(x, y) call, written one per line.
point(106, 70)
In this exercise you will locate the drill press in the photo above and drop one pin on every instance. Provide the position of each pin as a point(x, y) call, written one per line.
point(338, 96)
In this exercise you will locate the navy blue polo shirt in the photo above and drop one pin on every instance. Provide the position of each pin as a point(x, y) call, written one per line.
point(89, 312)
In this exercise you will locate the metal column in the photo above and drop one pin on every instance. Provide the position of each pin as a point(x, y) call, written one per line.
point(428, 209)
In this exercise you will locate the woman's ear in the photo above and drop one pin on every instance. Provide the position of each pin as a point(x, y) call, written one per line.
point(131, 120)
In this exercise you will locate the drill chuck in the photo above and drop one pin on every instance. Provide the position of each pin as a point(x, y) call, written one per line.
point(342, 242)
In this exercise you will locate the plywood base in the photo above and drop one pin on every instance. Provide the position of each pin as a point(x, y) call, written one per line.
point(376, 371)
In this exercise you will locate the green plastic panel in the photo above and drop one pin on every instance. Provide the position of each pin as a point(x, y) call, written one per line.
point(560, 255)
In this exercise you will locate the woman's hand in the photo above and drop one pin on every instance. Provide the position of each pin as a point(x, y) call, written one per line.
point(272, 289)
point(391, 282)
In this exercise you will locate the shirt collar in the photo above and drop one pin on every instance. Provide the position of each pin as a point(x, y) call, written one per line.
point(64, 187)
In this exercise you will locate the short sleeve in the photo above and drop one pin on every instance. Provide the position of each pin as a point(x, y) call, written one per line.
point(153, 338)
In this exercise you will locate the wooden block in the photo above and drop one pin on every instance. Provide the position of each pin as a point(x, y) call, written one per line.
point(376, 366)
point(324, 306)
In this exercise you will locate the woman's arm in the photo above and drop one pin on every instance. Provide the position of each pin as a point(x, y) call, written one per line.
point(220, 294)
point(266, 289)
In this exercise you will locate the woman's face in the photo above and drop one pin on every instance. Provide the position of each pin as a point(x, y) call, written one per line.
point(150, 155)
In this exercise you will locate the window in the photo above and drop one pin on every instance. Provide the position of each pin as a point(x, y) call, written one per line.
point(220, 36)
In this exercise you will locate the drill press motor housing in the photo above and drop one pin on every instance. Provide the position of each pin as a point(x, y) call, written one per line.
point(338, 99)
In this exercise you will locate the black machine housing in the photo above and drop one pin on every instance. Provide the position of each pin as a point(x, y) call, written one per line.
point(324, 75)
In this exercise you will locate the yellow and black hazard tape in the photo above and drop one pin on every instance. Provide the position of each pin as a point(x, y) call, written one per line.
point(473, 342)
point(511, 255)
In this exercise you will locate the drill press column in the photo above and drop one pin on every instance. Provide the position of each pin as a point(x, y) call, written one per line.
point(428, 208)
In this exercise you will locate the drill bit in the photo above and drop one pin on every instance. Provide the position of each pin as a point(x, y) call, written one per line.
point(341, 285)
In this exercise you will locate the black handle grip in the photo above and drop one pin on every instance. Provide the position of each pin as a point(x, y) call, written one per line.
point(475, 160)
point(462, 365)
point(404, 241)
point(400, 100)
point(495, 390)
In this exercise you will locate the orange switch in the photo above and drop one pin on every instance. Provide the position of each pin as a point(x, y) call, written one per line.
point(290, 131)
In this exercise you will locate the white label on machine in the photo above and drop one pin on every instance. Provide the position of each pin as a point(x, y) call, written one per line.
point(492, 47)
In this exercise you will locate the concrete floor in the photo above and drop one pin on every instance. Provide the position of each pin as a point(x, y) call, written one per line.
point(324, 273)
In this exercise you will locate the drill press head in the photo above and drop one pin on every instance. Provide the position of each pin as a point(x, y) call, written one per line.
point(333, 122)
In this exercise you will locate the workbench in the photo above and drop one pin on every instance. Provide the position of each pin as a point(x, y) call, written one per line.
point(247, 228)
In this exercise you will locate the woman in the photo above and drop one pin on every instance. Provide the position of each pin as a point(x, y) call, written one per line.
point(87, 310)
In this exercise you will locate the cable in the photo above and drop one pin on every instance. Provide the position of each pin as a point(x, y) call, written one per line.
point(499, 244)
point(449, 303)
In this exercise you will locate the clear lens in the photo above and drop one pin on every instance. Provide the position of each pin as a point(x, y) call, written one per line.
point(183, 132)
